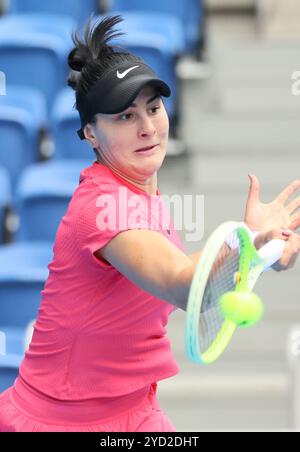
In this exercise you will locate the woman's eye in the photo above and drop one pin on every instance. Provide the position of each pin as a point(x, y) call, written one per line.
point(155, 109)
point(124, 117)
point(130, 115)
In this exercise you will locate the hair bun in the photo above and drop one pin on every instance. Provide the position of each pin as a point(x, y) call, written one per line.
point(94, 43)
point(77, 59)
point(92, 50)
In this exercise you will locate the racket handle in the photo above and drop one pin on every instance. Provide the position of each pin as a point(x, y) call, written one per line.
point(271, 252)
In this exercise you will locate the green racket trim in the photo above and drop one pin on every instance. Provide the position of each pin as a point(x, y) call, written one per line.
point(248, 255)
point(220, 343)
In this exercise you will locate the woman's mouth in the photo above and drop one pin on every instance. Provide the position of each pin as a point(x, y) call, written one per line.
point(148, 149)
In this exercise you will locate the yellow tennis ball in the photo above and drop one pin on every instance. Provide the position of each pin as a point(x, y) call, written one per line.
point(243, 308)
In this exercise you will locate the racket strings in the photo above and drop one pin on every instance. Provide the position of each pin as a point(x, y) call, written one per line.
point(222, 278)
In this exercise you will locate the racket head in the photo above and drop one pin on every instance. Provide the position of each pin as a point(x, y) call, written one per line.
point(224, 266)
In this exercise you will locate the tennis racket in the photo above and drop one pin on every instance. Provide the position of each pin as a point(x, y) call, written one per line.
point(221, 298)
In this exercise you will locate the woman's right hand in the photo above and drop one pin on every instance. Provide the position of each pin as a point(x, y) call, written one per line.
point(291, 251)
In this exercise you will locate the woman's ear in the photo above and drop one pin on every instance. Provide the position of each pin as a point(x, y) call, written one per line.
point(90, 135)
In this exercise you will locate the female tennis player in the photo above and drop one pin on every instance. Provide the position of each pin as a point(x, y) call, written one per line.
point(99, 345)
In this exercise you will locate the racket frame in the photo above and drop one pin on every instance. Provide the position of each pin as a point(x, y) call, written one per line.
point(251, 266)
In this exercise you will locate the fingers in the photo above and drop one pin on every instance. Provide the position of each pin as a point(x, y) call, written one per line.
point(264, 237)
point(288, 191)
point(295, 218)
point(290, 254)
point(295, 222)
point(279, 234)
point(294, 205)
point(294, 243)
point(254, 188)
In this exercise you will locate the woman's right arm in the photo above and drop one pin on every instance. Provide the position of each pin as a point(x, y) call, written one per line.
point(153, 263)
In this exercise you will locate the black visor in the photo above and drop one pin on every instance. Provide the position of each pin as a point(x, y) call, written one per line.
point(115, 91)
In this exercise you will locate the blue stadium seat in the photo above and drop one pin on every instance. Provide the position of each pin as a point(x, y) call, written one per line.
point(64, 123)
point(165, 25)
point(5, 198)
point(23, 273)
point(79, 10)
point(14, 342)
point(9, 370)
point(34, 50)
point(43, 196)
point(22, 115)
point(189, 12)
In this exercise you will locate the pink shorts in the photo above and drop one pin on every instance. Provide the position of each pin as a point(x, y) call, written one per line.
point(25, 410)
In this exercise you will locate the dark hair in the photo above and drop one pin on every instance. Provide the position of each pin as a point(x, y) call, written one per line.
point(92, 56)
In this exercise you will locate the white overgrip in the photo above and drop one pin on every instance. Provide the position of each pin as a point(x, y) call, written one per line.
point(271, 252)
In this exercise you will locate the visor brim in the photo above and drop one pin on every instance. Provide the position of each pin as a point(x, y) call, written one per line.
point(124, 94)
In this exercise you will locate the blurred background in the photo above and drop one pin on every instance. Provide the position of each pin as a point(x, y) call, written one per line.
point(230, 64)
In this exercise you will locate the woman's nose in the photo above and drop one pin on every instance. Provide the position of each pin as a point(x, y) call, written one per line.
point(147, 127)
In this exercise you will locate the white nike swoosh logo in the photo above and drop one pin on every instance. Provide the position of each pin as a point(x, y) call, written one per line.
point(119, 75)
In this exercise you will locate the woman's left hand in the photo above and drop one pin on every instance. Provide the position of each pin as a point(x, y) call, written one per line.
point(277, 214)
point(273, 219)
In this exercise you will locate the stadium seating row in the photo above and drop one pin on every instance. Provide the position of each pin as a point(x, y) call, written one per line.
point(34, 62)
point(42, 198)
point(23, 272)
point(188, 12)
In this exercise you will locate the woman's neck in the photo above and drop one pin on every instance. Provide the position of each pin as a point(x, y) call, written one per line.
point(149, 187)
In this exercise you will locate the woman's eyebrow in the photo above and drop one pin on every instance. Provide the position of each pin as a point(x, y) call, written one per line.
point(149, 100)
